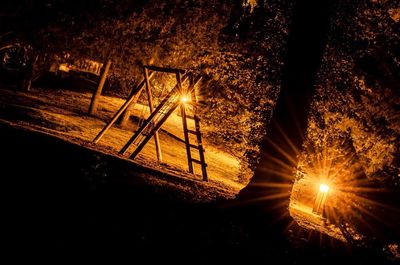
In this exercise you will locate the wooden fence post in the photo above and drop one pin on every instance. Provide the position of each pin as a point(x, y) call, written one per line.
point(97, 93)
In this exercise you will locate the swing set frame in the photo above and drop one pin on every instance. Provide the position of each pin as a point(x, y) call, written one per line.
point(181, 76)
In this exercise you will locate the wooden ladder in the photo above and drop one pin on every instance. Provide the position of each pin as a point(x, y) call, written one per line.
point(201, 161)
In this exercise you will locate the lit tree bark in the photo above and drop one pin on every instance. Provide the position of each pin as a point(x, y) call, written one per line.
point(269, 189)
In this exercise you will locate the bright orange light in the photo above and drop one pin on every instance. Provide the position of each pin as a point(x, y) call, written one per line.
point(63, 67)
point(185, 99)
point(323, 188)
point(319, 203)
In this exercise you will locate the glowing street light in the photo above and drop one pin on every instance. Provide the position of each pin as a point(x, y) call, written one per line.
point(185, 99)
point(323, 188)
point(319, 203)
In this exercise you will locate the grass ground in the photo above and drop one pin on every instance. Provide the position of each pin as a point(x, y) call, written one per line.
point(63, 113)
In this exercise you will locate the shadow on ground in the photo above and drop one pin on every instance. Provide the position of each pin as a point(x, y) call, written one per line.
point(68, 204)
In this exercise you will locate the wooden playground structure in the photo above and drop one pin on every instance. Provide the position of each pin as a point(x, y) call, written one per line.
point(179, 96)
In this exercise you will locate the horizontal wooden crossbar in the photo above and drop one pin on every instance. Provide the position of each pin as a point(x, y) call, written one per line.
point(198, 162)
point(191, 131)
point(194, 146)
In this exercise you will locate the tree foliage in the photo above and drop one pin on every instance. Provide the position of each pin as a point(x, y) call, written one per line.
point(358, 91)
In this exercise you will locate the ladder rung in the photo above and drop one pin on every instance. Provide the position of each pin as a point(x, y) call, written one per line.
point(190, 117)
point(194, 146)
point(192, 132)
point(198, 162)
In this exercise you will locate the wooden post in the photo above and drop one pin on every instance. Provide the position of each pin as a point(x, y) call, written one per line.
point(184, 123)
point(96, 95)
point(151, 106)
point(127, 113)
point(28, 77)
point(127, 103)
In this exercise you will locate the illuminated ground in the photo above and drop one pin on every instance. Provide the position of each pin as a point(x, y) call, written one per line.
point(63, 113)
point(304, 216)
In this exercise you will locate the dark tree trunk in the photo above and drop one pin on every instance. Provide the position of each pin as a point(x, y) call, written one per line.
point(269, 189)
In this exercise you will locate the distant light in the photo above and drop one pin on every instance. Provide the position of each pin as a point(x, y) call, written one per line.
point(185, 99)
point(64, 68)
point(319, 204)
point(323, 188)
